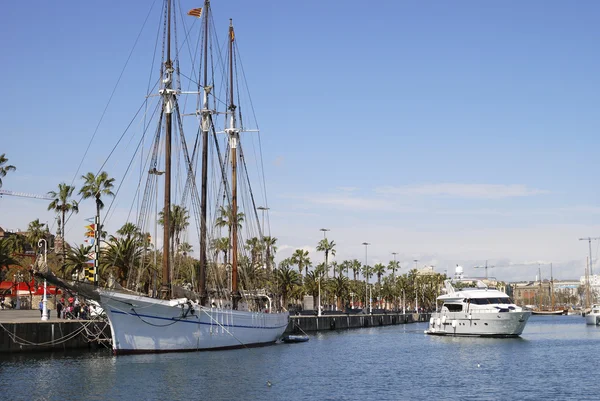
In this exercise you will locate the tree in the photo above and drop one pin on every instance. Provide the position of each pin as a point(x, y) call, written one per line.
point(393, 266)
point(328, 247)
point(378, 270)
point(4, 168)
point(340, 288)
point(129, 230)
point(178, 221)
point(355, 265)
point(35, 232)
point(286, 279)
point(120, 257)
point(221, 245)
point(255, 246)
point(96, 186)
point(76, 260)
point(62, 205)
point(270, 249)
point(6, 258)
point(300, 258)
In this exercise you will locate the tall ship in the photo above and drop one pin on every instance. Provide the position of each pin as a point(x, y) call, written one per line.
point(184, 304)
point(471, 308)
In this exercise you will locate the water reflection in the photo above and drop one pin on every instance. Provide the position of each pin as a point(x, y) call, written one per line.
point(378, 363)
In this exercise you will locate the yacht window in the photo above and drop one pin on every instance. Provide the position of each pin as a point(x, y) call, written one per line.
point(505, 301)
point(454, 307)
point(494, 300)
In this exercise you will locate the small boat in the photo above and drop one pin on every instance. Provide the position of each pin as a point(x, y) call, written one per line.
point(295, 338)
point(549, 312)
point(470, 308)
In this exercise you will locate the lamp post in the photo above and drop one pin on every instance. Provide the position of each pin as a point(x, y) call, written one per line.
point(263, 209)
point(45, 300)
point(326, 269)
point(18, 277)
point(366, 244)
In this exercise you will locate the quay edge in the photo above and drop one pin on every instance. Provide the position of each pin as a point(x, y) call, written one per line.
point(299, 323)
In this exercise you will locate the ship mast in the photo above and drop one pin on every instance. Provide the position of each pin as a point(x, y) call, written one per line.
point(168, 95)
point(233, 133)
point(206, 120)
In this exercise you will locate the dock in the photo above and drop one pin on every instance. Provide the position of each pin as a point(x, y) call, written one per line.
point(24, 331)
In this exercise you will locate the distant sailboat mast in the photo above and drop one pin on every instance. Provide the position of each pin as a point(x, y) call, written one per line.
point(233, 133)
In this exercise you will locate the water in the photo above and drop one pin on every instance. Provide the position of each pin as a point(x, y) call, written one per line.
point(555, 359)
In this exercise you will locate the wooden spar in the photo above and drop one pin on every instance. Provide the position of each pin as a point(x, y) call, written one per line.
point(166, 268)
point(233, 138)
point(204, 189)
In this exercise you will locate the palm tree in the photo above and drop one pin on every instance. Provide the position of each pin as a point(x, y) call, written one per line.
point(286, 279)
point(76, 260)
point(311, 285)
point(4, 169)
point(300, 258)
point(61, 205)
point(393, 266)
point(255, 246)
point(6, 258)
point(355, 265)
point(378, 270)
point(16, 243)
point(35, 232)
point(221, 245)
point(328, 247)
point(225, 217)
point(340, 288)
point(96, 186)
point(339, 268)
point(120, 257)
point(179, 221)
point(128, 230)
point(270, 250)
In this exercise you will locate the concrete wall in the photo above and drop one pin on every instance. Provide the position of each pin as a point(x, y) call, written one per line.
point(354, 321)
point(53, 336)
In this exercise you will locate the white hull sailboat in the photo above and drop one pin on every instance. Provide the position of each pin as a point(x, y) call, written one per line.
point(216, 315)
point(147, 325)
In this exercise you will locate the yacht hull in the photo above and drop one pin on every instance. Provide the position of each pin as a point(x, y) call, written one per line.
point(147, 325)
point(484, 324)
point(592, 319)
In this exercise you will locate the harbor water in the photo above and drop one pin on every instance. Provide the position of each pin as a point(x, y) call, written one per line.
point(555, 358)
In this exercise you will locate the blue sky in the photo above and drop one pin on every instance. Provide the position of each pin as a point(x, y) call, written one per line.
point(449, 132)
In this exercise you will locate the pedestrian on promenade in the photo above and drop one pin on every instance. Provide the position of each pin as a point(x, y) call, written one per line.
point(59, 307)
point(41, 308)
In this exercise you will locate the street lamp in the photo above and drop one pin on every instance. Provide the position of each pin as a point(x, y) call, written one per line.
point(366, 244)
point(324, 237)
point(17, 278)
point(45, 300)
point(263, 209)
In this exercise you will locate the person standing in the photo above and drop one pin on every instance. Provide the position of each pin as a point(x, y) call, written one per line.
point(59, 307)
point(41, 308)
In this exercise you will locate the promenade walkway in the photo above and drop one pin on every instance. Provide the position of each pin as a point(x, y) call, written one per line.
point(27, 316)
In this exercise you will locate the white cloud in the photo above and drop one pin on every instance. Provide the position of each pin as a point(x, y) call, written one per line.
point(455, 190)
point(347, 189)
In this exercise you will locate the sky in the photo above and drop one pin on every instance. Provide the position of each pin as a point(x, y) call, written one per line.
point(447, 132)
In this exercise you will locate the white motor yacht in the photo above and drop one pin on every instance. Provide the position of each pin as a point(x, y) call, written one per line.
point(593, 317)
point(470, 308)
